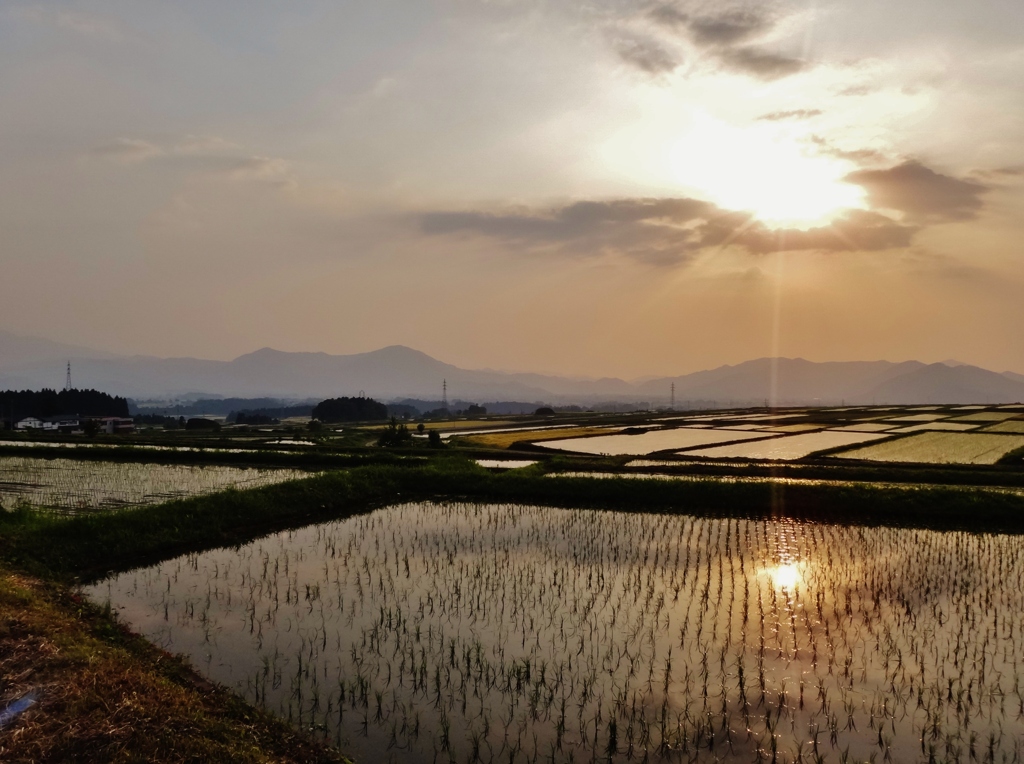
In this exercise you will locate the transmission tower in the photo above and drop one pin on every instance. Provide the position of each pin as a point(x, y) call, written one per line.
point(67, 379)
point(673, 404)
point(444, 393)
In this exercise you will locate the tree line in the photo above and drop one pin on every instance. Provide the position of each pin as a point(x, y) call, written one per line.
point(19, 404)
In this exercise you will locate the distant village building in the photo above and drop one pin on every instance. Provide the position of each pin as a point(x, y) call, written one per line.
point(115, 425)
point(65, 423)
point(72, 423)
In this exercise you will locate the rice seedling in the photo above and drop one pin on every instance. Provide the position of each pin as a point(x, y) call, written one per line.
point(82, 486)
point(941, 448)
point(467, 632)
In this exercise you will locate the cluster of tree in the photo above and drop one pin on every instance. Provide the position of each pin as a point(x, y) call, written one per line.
point(268, 412)
point(228, 407)
point(18, 404)
point(167, 422)
point(403, 411)
point(398, 434)
point(199, 423)
point(395, 434)
point(350, 410)
point(243, 417)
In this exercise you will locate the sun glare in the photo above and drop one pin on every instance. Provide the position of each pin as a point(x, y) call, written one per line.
point(766, 170)
point(785, 576)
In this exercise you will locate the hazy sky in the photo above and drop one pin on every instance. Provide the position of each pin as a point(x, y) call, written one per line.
point(601, 188)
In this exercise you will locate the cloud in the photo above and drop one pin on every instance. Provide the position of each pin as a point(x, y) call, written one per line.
point(264, 169)
point(206, 154)
point(721, 29)
point(127, 150)
point(728, 28)
point(761, 64)
point(663, 230)
point(778, 116)
point(77, 22)
point(857, 156)
point(726, 37)
point(920, 193)
point(647, 55)
point(1002, 174)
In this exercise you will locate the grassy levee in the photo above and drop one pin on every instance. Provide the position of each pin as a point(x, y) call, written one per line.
point(312, 459)
point(90, 546)
point(106, 695)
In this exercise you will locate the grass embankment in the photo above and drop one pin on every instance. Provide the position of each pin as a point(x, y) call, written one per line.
point(106, 695)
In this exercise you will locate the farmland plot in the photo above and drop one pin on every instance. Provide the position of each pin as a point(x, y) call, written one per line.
point(649, 442)
point(466, 633)
point(1013, 426)
point(940, 448)
point(67, 485)
point(864, 427)
point(917, 418)
point(947, 426)
point(986, 416)
point(788, 447)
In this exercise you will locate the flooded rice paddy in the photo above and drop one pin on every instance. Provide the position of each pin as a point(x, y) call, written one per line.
point(940, 448)
point(789, 447)
point(650, 442)
point(429, 633)
point(81, 486)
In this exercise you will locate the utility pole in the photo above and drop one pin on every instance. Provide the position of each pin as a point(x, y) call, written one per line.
point(67, 380)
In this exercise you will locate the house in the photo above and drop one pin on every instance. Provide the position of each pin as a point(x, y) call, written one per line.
point(115, 425)
point(63, 423)
point(29, 423)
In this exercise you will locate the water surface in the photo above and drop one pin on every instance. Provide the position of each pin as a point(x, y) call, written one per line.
point(423, 633)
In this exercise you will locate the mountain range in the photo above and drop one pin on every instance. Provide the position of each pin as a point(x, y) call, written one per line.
point(398, 372)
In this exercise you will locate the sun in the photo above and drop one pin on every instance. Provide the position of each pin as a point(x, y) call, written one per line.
point(785, 576)
point(767, 170)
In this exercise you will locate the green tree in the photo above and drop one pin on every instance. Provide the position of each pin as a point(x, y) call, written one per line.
point(395, 434)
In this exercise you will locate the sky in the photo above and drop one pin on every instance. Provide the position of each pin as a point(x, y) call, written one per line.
point(601, 188)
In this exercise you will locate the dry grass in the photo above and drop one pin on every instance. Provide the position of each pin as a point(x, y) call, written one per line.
point(105, 695)
point(506, 439)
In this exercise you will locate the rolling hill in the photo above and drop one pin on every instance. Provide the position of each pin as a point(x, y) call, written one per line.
point(398, 372)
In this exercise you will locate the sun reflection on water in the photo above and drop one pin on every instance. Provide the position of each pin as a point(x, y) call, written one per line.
point(786, 575)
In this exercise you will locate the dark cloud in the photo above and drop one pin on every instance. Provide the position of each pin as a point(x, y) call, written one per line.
point(1001, 173)
point(854, 231)
point(728, 29)
point(857, 156)
point(778, 116)
point(647, 55)
point(761, 64)
point(921, 193)
point(727, 37)
point(664, 230)
point(723, 29)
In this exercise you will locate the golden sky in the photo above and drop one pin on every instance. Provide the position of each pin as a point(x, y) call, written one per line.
point(603, 188)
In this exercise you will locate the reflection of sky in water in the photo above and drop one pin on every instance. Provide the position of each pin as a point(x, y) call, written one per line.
point(423, 632)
